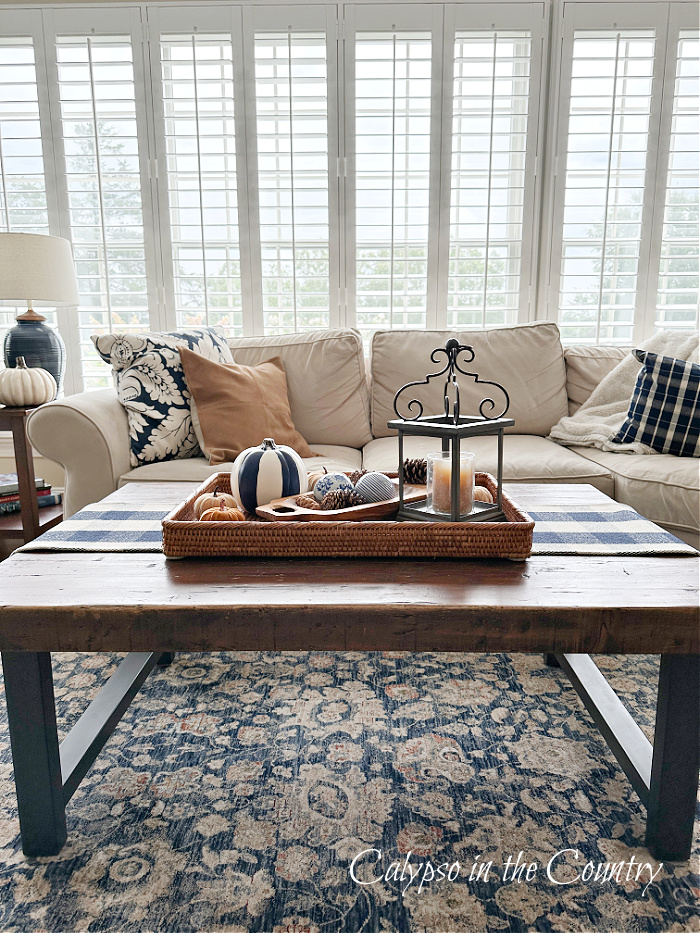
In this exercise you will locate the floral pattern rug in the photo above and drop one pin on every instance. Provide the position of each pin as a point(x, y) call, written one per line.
point(300, 793)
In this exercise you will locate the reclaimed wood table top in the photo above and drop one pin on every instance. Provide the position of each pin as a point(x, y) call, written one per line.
point(55, 601)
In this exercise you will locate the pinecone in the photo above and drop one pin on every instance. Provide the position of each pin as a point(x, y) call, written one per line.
point(307, 502)
point(415, 471)
point(353, 477)
point(341, 499)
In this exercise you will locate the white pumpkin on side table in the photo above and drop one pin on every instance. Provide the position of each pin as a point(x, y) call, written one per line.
point(261, 474)
point(26, 387)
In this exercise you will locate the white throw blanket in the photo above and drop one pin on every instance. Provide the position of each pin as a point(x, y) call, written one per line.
point(602, 414)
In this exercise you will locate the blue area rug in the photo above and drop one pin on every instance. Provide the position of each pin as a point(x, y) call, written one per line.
point(289, 793)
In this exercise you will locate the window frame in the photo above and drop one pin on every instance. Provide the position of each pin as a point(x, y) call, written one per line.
point(443, 22)
point(124, 20)
point(367, 18)
point(667, 19)
point(551, 23)
point(682, 16)
point(534, 17)
point(309, 18)
point(207, 19)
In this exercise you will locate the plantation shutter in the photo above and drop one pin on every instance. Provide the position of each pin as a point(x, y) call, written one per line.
point(202, 179)
point(392, 175)
point(295, 133)
point(618, 257)
point(493, 168)
point(271, 168)
point(102, 133)
point(679, 265)
point(23, 198)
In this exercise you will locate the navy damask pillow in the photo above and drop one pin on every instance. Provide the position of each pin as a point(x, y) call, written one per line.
point(664, 411)
point(151, 386)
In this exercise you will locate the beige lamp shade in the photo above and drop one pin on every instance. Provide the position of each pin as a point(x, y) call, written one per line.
point(37, 269)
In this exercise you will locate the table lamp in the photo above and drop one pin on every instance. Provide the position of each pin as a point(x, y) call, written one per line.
point(36, 269)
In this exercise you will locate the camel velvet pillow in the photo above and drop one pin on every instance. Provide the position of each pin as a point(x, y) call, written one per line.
point(239, 406)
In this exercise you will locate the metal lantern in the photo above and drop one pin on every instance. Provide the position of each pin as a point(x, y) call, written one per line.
point(452, 427)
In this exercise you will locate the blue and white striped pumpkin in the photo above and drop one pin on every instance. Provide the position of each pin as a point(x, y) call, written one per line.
point(261, 474)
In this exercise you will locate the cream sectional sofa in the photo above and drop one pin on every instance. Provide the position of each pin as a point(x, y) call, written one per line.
point(341, 405)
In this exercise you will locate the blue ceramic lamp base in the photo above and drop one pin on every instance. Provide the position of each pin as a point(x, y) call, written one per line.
point(40, 345)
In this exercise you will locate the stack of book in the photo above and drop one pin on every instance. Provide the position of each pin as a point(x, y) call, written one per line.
point(9, 494)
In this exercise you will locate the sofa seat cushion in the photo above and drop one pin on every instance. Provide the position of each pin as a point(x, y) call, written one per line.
point(662, 487)
point(197, 469)
point(333, 457)
point(526, 459)
point(527, 360)
point(326, 382)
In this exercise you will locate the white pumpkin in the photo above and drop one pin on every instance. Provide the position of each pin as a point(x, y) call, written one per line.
point(24, 386)
point(261, 474)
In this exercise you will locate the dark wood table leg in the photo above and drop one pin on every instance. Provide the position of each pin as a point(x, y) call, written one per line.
point(31, 715)
point(166, 658)
point(674, 772)
point(25, 478)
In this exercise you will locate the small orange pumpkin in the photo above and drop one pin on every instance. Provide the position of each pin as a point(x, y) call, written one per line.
point(212, 500)
point(222, 513)
point(482, 494)
point(314, 477)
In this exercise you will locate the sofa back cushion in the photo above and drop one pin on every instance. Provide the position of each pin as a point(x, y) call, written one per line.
point(586, 367)
point(527, 360)
point(326, 382)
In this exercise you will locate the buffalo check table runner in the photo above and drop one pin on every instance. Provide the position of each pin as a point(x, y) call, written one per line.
point(612, 529)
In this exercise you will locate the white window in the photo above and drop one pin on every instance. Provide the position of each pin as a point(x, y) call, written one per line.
point(282, 167)
point(202, 183)
point(442, 168)
point(103, 181)
point(23, 203)
point(679, 268)
point(291, 102)
point(489, 156)
point(245, 141)
point(607, 148)
point(625, 203)
point(392, 178)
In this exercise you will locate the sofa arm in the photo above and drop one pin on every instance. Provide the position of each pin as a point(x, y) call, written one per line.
point(88, 435)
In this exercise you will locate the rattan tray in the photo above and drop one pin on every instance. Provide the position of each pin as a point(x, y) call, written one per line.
point(183, 536)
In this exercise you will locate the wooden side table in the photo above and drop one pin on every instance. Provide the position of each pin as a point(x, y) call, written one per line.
point(30, 522)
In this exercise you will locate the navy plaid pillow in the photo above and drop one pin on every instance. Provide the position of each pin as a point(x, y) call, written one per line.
point(664, 410)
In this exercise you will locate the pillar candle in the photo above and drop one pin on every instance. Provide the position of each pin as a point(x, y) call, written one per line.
point(441, 490)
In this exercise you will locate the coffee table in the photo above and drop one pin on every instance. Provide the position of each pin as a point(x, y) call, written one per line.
point(566, 607)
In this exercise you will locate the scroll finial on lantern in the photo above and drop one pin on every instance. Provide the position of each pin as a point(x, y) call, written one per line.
point(452, 350)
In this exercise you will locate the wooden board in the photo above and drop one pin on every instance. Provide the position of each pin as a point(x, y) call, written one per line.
point(140, 602)
point(287, 510)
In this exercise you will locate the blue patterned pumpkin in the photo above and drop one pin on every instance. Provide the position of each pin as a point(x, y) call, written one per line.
point(261, 474)
point(331, 482)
